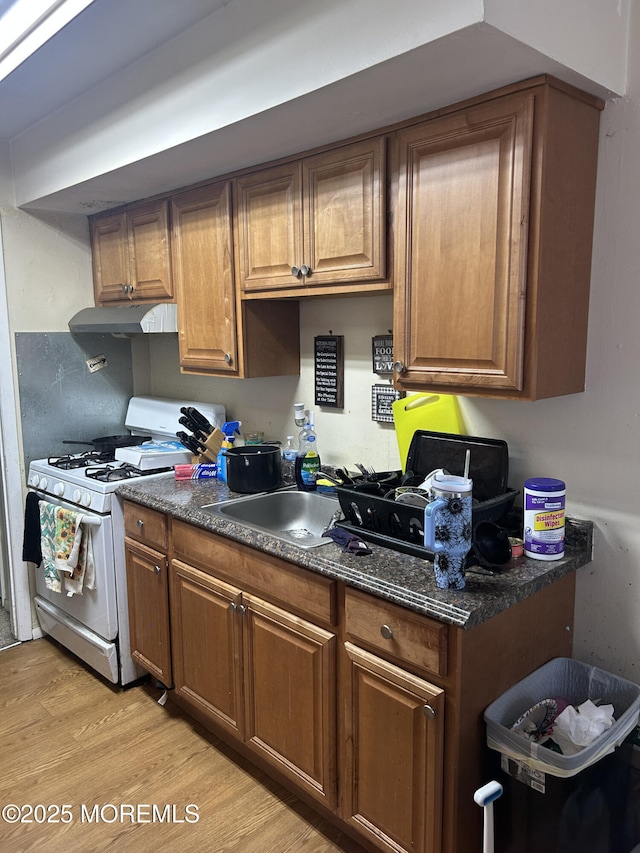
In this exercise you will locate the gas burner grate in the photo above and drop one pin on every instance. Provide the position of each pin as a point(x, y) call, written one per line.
point(124, 471)
point(81, 460)
point(109, 473)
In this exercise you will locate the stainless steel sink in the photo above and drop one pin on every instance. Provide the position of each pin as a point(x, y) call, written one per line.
point(292, 516)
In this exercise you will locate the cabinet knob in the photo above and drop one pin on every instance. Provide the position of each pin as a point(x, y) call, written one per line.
point(295, 272)
point(156, 570)
point(429, 713)
point(232, 607)
point(398, 367)
point(386, 632)
point(227, 358)
point(305, 270)
point(140, 523)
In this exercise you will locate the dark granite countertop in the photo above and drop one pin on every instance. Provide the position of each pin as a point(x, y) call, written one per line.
point(388, 574)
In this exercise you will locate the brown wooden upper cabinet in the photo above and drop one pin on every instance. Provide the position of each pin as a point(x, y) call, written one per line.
point(493, 232)
point(217, 335)
point(131, 254)
point(316, 225)
point(202, 246)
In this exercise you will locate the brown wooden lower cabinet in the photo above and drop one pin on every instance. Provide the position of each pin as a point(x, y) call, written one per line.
point(392, 773)
point(207, 645)
point(145, 546)
point(147, 587)
point(262, 674)
point(369, 710)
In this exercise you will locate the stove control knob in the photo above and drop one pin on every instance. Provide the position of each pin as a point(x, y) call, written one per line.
point(43, 484)
point(58, 489)
point(35, 481)
point(86, 499)
point(76, 496)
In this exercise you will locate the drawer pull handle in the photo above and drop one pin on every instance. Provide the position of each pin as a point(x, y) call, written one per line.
point(429, 713)
point(140, 523)
point(386, 632)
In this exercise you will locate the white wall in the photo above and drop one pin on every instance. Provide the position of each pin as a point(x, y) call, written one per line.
point(585, 36)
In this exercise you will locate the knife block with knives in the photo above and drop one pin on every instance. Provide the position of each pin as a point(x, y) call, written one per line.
point(205, 440)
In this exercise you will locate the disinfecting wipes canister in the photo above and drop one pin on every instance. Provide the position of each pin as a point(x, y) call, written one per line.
point(544, 499)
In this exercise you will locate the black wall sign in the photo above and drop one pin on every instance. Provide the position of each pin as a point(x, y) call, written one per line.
point(329, 370)
point(382, 346)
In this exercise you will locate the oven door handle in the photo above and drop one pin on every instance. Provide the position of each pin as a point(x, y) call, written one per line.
point(89, 519)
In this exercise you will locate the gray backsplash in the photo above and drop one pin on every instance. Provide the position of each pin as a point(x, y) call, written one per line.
point(61, 399)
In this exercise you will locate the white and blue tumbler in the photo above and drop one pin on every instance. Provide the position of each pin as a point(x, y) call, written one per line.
point(448, 527)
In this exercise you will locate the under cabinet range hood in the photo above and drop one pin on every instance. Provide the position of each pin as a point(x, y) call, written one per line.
point(126, 319)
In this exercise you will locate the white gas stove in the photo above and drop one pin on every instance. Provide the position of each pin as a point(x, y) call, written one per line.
point(95, 624)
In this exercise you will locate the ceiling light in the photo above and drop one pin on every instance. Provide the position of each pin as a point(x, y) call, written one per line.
point(25, 25)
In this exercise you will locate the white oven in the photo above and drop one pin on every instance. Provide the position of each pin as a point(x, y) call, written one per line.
point(94, 625)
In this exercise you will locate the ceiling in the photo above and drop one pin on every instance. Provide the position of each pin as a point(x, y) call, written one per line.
point(107, 36)
point(112, 35)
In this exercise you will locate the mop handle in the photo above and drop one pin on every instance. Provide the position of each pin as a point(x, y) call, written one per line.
point(485, 797)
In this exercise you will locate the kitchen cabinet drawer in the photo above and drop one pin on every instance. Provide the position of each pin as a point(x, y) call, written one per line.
point(145, 525)
point(396, 632)
point(299, 590)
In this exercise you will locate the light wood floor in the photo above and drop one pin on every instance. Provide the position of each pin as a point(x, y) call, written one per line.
point(66, 737)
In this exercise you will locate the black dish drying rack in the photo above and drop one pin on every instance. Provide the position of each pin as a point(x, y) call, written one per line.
point(371, 512)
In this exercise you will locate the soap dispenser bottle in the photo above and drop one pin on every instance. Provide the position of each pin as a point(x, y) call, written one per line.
point(308, 458)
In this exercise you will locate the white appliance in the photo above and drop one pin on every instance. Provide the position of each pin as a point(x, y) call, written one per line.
point(95, 625)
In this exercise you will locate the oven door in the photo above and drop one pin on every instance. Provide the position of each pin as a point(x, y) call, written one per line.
point(85, 624)
point(96, 608)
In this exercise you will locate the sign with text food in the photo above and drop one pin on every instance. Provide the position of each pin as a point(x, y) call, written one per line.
point(382, 348)
point(329, 370)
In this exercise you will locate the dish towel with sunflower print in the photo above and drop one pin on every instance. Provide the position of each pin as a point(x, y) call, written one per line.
point(67, 550)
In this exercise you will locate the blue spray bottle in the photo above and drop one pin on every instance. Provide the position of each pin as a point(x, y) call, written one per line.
point(230, 429)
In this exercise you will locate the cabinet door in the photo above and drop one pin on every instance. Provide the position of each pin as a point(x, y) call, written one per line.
point(131, 254)
point(110, 257)
point(393, 771)
point(269, 228)
point(345, 214)
point(289, 696)
point(206, 644)
point(150, 254)
point(461, 246)
point(203, 270)
point(148, 595)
